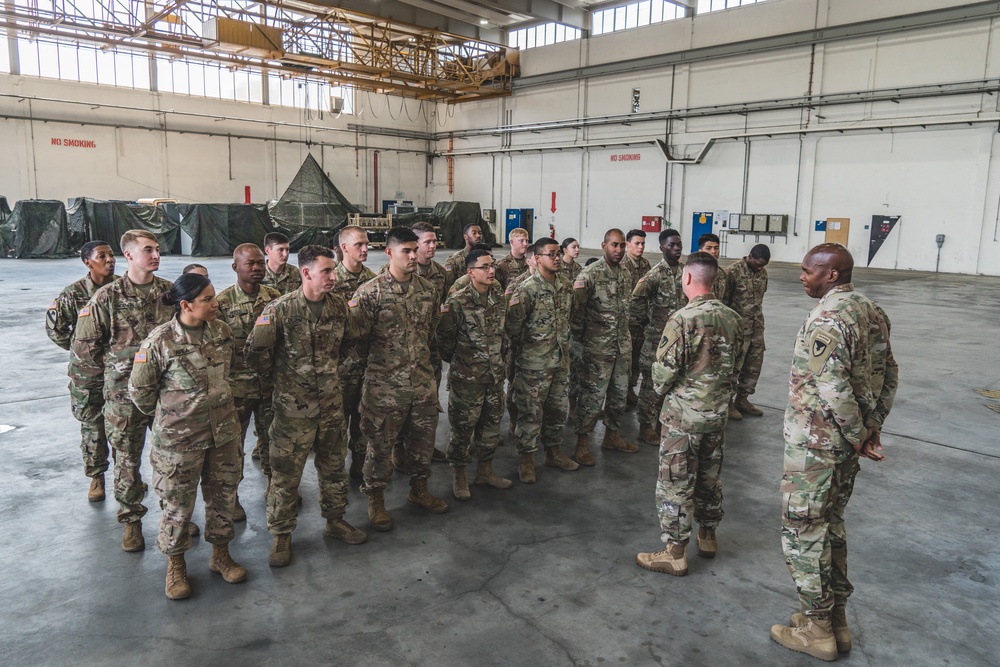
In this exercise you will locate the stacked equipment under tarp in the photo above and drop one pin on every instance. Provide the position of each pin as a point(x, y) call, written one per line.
point(4, 210)
point(108, 220)
point(312, 210)
point(453, 216)
point(36, 229)
point(216, 229)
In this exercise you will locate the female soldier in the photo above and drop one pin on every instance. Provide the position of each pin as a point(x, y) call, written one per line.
point(179, 377)
point(570, 251)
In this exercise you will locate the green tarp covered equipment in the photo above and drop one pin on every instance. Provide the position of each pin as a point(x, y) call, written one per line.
point(35, 229)
point(216, 229)
point(452, 217)
point(312, 209)
point(108, 220)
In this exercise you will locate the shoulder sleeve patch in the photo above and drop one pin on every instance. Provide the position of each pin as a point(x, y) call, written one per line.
point(447, 268)
point(580, 284)
point(822, 344)
point(353, 303)
point(84, 312)
point(140, 357)
point(514, 300)
point(445, 308)
point(53, 305)
point(263, 320)
point(641, 280)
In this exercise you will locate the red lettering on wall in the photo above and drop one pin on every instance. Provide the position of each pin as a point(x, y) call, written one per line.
point(626, 157)
point(74, 143)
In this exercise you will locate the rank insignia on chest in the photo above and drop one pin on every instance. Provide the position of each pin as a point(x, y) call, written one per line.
point(445, 308)
point(580, 284)
point(53, 305)
point(263, 320)
point(84, 312)
point(514, 301)
point(353, 303)
point(140, 357)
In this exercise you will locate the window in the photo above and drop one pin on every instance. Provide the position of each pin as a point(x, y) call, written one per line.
point(633, 15)
point(705, 6)
point(542, 35)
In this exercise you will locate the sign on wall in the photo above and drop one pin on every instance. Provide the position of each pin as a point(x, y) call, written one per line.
point(73, 143)
point(626, 157)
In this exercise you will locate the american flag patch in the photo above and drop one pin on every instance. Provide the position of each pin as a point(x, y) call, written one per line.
point(514, 300)
point(53, 305)
point(353, 303)
point(641, 280)
point(140, 357)
point(579, 284)
point(447, 268)
point(263, 320)
point(84, 312)
point(445, 308)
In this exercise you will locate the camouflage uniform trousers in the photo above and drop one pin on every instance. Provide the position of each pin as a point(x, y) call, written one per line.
point(603, 386)
point(638, 339)
point(291, 441)
point(126, 429)
point(263, 413)
point(175, 479)
point(575, 359)
point(508, 369)
point(350, 386)
point(746, 378)
point(542, 401)
point(409, 414)
point(93, 437)
point(815, 489)
point(474, 413)
point(689, 481)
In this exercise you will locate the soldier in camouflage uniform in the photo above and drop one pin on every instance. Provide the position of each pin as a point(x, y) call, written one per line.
point(602, 292)
point(109, 330)
point(454, 266)
point(352, 274)
point(514, 264)
point(60, 324)
point(510, 353)
point(239, 306)
point(427, 267)
point(655, 298)
point(637, 266)
point(571, 250)
point(281, 275)
point(747, 284)
point(842, 370)
point(470, 338)
point(304, 331)
point(720, 288)
point(539, 313)
point(397, 313)
point(699, 348)
point(179, 377)
point(570, 268)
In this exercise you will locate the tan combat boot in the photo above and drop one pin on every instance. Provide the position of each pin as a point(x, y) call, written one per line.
point(815, 638)
point(222, 563)
point(526, 469)
point(420, 496)
point(132, 540)
point(239, 514)
point(744, 405)
point(670, 560)
point(556, 459)
point(344, 531)
point(486, 477)
point(96, 492)
point(177, 580)
point(707, 546)
point(582, 453)
point(648, 434)
point(734, 414)
point(632, 400)
point(379, 518)
point(841, 633)
point(460, 484)
point(615, 442)
point(281, 551)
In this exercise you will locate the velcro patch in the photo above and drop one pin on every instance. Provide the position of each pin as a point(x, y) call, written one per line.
point(353, 303)
point(580, 284)
point(447, 268)
point(641, 280)
point(140, 357)
point(53, 305)
point(445, 308)
point(514, 300)
point(84, 312)
point(821, 345)
point(263, 320)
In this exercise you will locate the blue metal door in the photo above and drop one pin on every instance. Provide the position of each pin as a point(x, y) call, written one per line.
point(513, 222)
point(701, 223)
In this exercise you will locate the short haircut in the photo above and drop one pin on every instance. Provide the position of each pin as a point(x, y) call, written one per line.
point(667, 233)
point(348, 230)
point(632, 233)
point(529, 251)
point(132, 236)
point(399, 235)
point(310, 253)
point(707, 238)
point(244, 248)
point(90, 247)
point(483, 246)
point(518, 231)
point(702, 266)
point(567, 242)
point(761, 251)
point(541, 243)
point(473, 257)
point(274, 238)
point(465, 230)
point(590, 261)
point(614, 230)
point(423, 227)
point(191, 267)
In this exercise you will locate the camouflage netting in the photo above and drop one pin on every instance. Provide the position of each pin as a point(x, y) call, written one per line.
point(216, 229)
point(312, 209)
point(108, 220)
point(35, 229)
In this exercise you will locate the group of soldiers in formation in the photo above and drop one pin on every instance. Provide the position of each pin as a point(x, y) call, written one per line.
point(328, 357)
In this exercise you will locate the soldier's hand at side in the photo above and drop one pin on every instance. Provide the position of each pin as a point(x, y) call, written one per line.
point(872, 446)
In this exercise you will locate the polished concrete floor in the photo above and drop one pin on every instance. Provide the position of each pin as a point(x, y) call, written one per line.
point(537, 575)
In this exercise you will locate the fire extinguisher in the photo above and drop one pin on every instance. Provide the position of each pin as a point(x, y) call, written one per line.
point(552, 231)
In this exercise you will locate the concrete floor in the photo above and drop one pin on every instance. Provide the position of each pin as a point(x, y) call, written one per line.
point(538, 575)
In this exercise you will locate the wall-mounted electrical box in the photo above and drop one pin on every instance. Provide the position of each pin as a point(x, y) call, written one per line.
point(746, 223)
point(777, 224)
point(759, 223)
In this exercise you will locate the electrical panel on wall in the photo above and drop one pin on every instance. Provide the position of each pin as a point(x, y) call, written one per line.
point(758, 223)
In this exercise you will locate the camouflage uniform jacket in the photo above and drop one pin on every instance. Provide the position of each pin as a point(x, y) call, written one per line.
point(538, 322)
point(746, 294)
point(885, 372)
point(454, 267)
point(701, 345)
point(435, 273)
point(656, 297)
point(600, 320)
point(305, 352)
point(399, 321)
point(636, 268)
point(721, 285)
point(288, 280)
point(353, 353)
point(570, 271)
point(470, 335)
point(182, 378)
point(513, 284)
point(830, 398)
point(60, 321)
point(240, 311)
point(109, 330)
point(509, 268)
